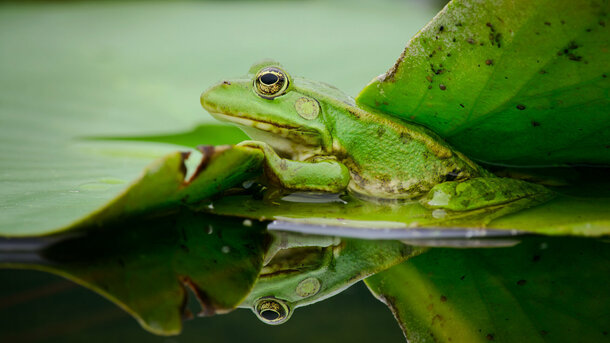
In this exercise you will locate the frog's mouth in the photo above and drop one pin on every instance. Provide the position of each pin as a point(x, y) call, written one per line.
point(286, 139)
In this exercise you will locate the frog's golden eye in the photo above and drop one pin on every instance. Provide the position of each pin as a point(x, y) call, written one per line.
point(270, 82)
point(272, 310)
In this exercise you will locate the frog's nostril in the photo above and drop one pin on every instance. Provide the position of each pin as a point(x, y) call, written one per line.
point(226, 83)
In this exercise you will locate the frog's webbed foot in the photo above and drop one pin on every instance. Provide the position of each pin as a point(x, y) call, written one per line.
point(484, 192)
point(321, 175)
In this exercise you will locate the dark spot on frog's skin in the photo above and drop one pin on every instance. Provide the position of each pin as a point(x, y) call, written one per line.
point(521, 282)
point(602, 23)
point(385, 103)
point(458, 24)
point(604, 76)
point(470, 40)
point(462, 105)
point(588, 30)
point(443, 298)
point(562, 22)
point(380, 132)
point(429, 78)
point(454, 40)
point(489, 196)
point(542, 71)
point(440, 29)
point(537, 33)
point(462, 277)
point(520, 107)
point(547, 23)
point(430, 87)
point(489, 62)
point(442, 87)
point(465, 203)
point(490, 337)
point(353, 112)
point(226, 83)
point(535, 123)
point(451, 176)
point(543, 332)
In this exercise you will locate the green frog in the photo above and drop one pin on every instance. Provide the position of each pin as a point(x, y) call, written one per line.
point(316, 138)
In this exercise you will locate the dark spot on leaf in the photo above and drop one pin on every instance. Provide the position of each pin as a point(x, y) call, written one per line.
point(448, 55)
point(490, 337)
point(547, 23)
point(462, 105)
point(536, 258)
point(535, 123)
point(489, 62)
point(470, 40)
point(521, 282)
point(588, 30)
point(562, 22)
point(442, 87)
point(430, 87)
point(604, 76)
point(462, 277)
point(443, 298)
point(520, 107)
point(226, 83)
point(542, 71)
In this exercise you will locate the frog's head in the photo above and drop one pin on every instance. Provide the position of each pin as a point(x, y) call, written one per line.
point(288, 113)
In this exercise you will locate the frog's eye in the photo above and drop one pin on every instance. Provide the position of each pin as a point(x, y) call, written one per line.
point(270, 82)
point(272, 310)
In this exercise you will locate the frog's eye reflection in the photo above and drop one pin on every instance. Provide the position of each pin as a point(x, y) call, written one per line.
point(271, 310)
point(270, 82)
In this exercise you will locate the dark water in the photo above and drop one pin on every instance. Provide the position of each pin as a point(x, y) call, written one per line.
point(544, 283)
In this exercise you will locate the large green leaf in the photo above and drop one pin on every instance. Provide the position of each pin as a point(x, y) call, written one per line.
point(511, 82)
point(543, 290)
point(147, 266)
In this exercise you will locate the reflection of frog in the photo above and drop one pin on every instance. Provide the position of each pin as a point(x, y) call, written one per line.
point(315, 138)
point(301, 270)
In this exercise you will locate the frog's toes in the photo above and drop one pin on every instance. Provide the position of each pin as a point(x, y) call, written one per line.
point(484, 192)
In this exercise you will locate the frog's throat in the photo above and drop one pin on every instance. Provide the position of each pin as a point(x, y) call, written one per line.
point(307, 139)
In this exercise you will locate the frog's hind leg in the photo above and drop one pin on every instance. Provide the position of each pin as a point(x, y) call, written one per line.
point(484, 192)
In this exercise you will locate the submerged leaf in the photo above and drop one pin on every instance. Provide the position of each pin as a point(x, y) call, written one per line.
point(543, 290)
point(148, 266)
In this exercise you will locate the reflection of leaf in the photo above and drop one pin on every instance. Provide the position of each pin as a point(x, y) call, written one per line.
point(146, 267)
point(545, 289)
point(511, 82)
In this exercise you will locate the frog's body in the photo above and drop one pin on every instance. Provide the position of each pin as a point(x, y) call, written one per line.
point(315, 138)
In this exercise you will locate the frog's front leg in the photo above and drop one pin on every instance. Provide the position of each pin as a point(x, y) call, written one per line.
point(323, 175)
point(483, 192)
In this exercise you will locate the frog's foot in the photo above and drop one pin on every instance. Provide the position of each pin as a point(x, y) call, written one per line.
point(484, 192)
point(320, 175)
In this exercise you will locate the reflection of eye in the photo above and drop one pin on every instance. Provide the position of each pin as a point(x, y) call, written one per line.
point(271, 310)
point(270, 82)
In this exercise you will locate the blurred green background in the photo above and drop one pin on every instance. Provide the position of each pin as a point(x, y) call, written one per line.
point(112, 68)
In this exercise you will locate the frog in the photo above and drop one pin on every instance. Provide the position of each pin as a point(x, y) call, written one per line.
point(315, 138)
